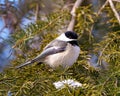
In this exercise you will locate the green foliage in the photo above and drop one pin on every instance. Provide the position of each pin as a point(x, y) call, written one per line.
point(37, 80)
point(85, 20)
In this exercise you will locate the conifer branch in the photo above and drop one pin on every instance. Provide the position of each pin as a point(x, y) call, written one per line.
point(43, 28)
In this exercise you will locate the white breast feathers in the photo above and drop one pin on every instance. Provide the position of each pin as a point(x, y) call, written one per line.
point(65, 58)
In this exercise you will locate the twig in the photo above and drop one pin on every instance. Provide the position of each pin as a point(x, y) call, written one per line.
point(37, 12)
point(99, 58)
point(103, 6)
point(117, 0)
point(114, 10)
point(72, 22)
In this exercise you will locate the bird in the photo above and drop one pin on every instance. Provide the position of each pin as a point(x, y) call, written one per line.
point(62, 51)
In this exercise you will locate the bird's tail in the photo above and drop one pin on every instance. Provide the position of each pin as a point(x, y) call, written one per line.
point(24, 64)
point(37, 59)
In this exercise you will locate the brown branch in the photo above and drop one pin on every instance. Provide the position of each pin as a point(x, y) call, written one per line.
point(114, 10)
point(117, 0)
point(103, 6)
point(72, 22)
point(37, 12)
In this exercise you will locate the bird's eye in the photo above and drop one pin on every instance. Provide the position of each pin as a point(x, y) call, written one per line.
point(70, 37)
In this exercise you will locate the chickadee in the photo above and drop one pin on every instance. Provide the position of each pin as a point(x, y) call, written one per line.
point(63, 51)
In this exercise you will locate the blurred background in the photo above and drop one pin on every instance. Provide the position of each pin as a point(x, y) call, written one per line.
point(26, 26)
point(17, 14)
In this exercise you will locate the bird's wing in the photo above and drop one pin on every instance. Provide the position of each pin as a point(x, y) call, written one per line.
point(53, 47)
point(56, 43)
point(50, 49)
